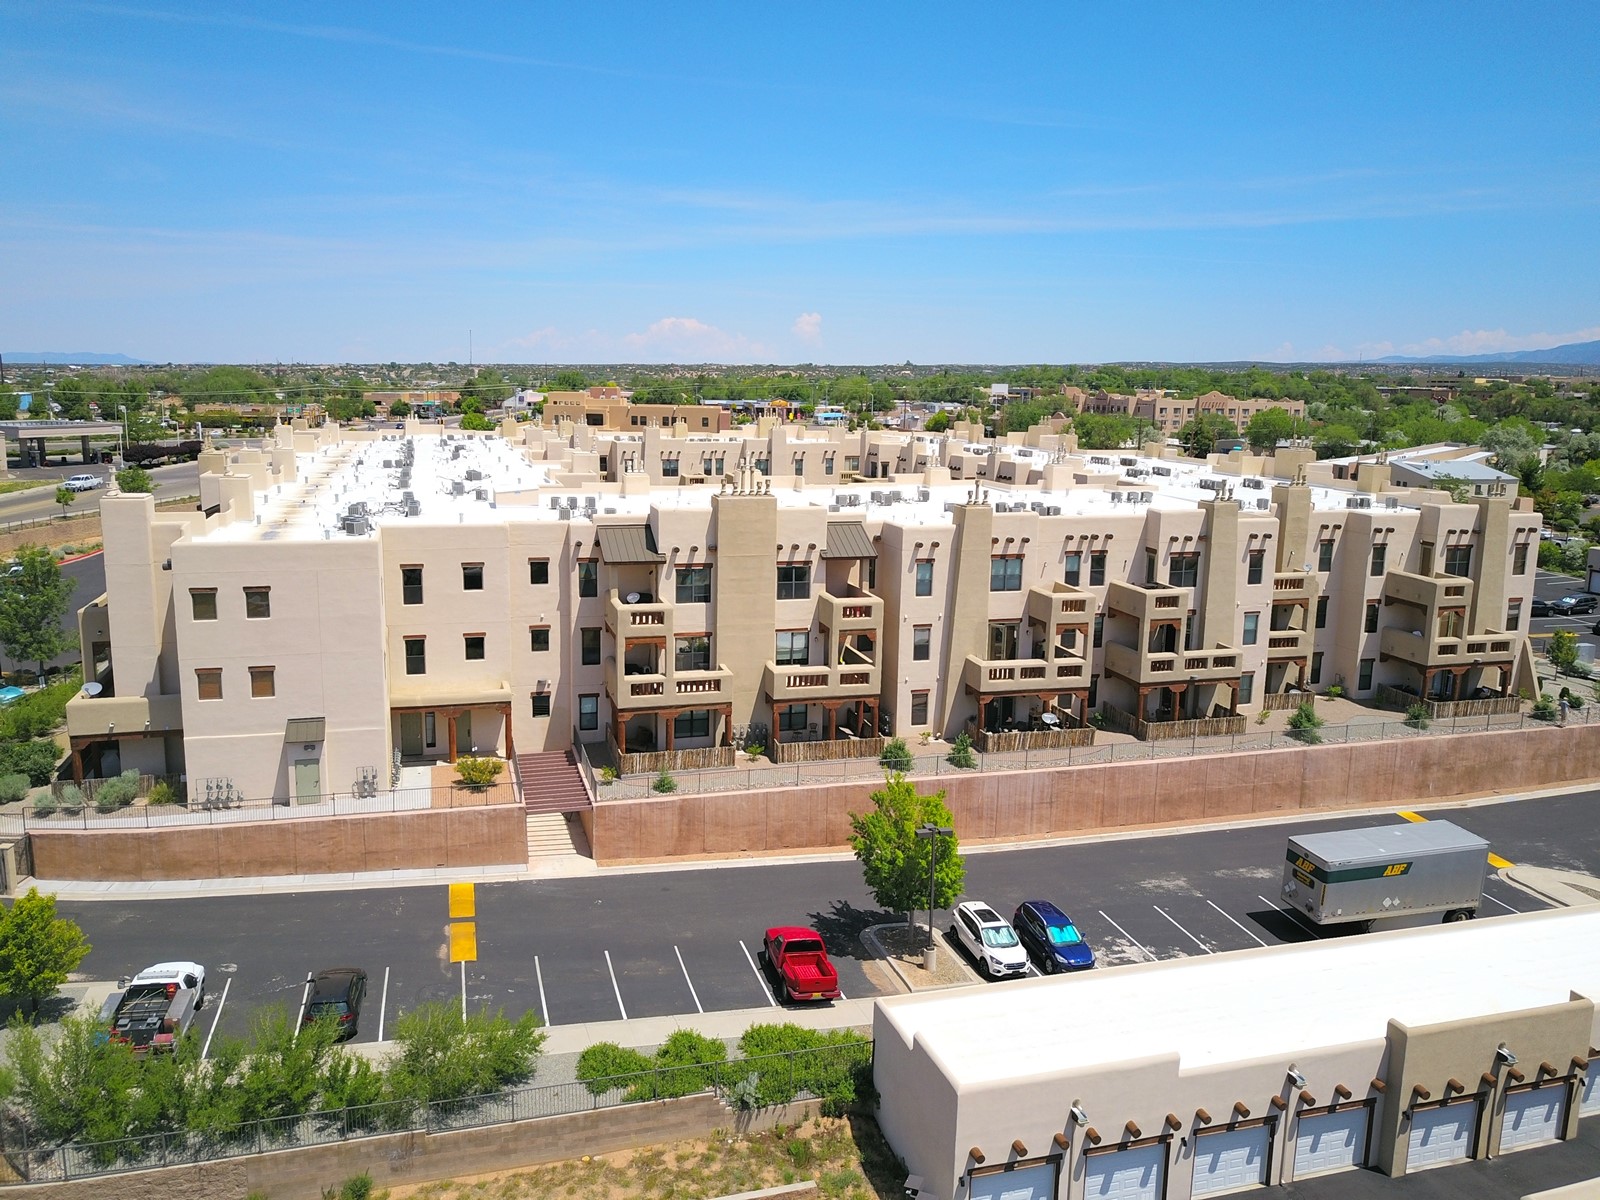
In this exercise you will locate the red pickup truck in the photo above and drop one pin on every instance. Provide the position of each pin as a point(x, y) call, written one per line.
point(800, 963)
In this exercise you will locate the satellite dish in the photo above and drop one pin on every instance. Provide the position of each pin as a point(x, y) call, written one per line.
point(92, 689)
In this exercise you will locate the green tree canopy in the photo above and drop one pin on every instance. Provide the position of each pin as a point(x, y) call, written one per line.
point(1103, 431)
point(1563, 650)
point(135, 479)
point(569, 381)
point(477, 421)
point(894, 860)
point(33, 603)
point(1336, 441)
point(38, 949)
point(1267, 428)
point(399, 409)
point(1203, 431)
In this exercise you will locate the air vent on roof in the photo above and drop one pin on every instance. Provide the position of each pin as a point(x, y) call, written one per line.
point(1116, 497)
point(1129, 462)
point(1252, 482)
point(457, 488)
point(1161, 470)
point(1263, 503)
point(566, 514)
point(474, 474)
point(1052, 510)
point(1358, 502)
point(923, 495)
point(1391, 501)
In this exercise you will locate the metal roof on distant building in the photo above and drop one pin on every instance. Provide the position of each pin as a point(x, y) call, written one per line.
point(848, 539)
point(628, 544)
point(1451, 468)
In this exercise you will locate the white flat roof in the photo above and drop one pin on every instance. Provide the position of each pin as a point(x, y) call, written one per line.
point(1237, 1007)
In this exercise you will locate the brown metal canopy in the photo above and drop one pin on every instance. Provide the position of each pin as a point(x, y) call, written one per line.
point(848, 539)
point(628, 544)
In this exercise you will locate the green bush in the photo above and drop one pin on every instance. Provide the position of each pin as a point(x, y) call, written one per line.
point(1417, 716)
point(14, 788)
point(478, 772)
point(896, 756)
point(71, 799)
point(162, 793)
point(606, 1065)
point(437, 1057)
point(357, 1187)
point(961, 754)
point(1305, 725)
point(786, 1060)
point(36, 760)
point(664, 782)
point(1335, 691)
point(687, 1063)
point(1544, 709)
point(117, 793)
point(38, 713)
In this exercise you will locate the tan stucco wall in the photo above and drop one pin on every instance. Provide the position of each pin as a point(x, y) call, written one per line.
point(461, 837)
point(1019, 805)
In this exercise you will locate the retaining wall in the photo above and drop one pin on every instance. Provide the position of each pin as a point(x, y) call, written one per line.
point(1062, 801)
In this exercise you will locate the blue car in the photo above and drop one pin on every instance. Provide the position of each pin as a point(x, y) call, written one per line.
point(1050, 937)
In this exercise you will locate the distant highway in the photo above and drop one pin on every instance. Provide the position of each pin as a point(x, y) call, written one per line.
point(180, 479)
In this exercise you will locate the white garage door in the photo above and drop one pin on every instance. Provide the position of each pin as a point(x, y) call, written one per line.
point(1440, 1135)
point(1126, 1174)
point(1591, 1091)
point(1024, 1183)
point(1533, 1116)
point(1231, 1159)
point(1333, 1141)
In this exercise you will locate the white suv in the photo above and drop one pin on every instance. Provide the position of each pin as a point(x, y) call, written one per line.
point(989, 938)
point(83, 483)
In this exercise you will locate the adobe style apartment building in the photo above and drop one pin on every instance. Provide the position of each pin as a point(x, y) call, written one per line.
point(350, 600)
point(1169, 414)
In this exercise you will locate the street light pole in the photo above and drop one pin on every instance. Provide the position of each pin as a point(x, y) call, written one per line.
point(933, 833)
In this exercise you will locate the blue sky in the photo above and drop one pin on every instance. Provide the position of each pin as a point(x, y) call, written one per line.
point(1059, 182)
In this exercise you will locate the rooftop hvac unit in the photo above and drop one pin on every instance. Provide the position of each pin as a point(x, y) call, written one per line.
point(566, 514)
point(1146, 497)
point(849, 499)
point(388, 464)
point(1263, 503)
point(356, 526)
point(1116, 497)
point(480, 493)
point(358, 509)
point(474, 474)
point(833, 508)
point(877, 497)
point(951, 506)
point(1391, 501)
point(1252, 482)
point(923, 494)
point(413, 507)
point(1129, 462)
point(555, 501)
point(1161, 470)
point(1358, 502)
point(1052, 510)
point(572, 503)
point(457, 488)
point(1097, 459)
point(455, 452)
point(590, 503)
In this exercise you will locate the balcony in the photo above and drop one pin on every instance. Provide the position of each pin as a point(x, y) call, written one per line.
point(106, 716)
point(1163, 668)
point(634, 690)
point(1059, 604)
point(1288, 643)
point(1021, 676)
point(1146, 604)
point(632, 622)
point(813, 684)
point(860, 612)
point(1427, 591)
point(1292, 586)
point(1415, 647)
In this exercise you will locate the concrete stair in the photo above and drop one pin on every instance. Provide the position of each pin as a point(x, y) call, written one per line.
point(551, 782)
point(550, 836)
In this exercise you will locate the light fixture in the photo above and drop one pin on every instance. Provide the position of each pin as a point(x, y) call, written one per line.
point(1504, 1055)
point(1295, 1077)
point(1079, 1117)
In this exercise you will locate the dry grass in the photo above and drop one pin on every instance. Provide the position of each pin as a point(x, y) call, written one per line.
point(847, 1156)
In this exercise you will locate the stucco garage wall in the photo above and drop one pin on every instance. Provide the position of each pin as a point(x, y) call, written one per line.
point(1054, 802)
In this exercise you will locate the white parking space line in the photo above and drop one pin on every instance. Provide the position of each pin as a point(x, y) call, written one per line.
point(1303, 923)
point(1182, 930)
point(304, 996)
point(216, 1017)
point(544, 1009)
point(1139, 945)
point(1242, 929)
point(687, 980)
point(614, 988)
point(1501, 903)
point(383, 1003)
point(762, 979)
point(842, 996)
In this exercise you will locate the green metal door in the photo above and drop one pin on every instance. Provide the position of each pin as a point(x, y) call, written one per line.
point(307, 780)
point(411, 734)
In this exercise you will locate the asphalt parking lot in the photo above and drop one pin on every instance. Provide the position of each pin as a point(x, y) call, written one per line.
point(680, 942)
point(1550, 586)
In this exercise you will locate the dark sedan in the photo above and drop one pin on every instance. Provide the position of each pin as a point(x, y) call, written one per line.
point(336, 995)
point(1575, 605)
point(1050, 937)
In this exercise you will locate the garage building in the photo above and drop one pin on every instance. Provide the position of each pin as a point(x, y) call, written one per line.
point(1396, 1051)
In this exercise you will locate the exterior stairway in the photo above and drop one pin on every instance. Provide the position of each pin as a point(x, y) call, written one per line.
point(551, 783)
point(550, 836)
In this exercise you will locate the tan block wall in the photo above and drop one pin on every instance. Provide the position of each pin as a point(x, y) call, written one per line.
point(461, 837)
point(1057, 802)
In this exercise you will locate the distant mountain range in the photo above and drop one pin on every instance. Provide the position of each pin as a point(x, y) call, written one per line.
point(1585, 354)
point(70, 358)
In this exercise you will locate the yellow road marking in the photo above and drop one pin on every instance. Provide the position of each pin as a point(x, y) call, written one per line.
point(1411, 816)
point(463, 901)
point(464, 942)
point(1495, 860)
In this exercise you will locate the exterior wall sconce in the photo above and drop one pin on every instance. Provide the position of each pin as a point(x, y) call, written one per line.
point(1079, 1117)
point(1295, 1077)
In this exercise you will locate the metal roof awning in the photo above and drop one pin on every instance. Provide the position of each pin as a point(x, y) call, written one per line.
point(848, 539)
point(305, 729)
point(628, 544)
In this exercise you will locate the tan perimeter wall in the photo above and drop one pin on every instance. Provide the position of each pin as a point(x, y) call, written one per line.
point(449, 837)
point(1062, 801)
point(403, 1158)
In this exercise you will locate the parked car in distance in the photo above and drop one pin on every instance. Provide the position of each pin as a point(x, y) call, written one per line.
point(337, 993)
point(1571, 606)
point(1540, 607)
point(799, 962)
point(83, 483)
point(1050, 937)
point(990, 940)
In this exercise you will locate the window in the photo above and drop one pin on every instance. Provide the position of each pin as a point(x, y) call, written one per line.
point(1379, 552)
point(538, 638)
point(827, 465)
point(1519, 559)
point(588, 712)
point(589, 655)
point(203, 602)
point(919, 708)
point(1150, 567)
point(1364, 680)
point(1005, 573)
point(1097, 568)
point(1322, 612)
point(925, 578)
point(1252, 622)
point(416, 656)
point(474, 647)
point(1371, 625)
point(1003, 640)
point(588, 577)
point(669, 468)
point(794, 582)
point(262, 682)
point(793, 718)
point(209, 681)
point(1074, 569)
point(1247, 688)
point(541, 704)
point(1514, 616)
point(1183, 570)
point(1458, 560)
point(1325, 554)
point(1427, 559)
point(1316, 669)
point(696, 723)
point(794, 648)
point(472, 577)
point(852, 462)
point(921, 642)
point(694, 585)
point(411, 585)
point(538, 570)
point(1256, 560)
point(1099, 630)
point(1451, 622)
point(257, 603)
point(692, 653)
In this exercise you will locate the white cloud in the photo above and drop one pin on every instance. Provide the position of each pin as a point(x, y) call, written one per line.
point(1495, 341)
point(808, 327)
point(691, 339)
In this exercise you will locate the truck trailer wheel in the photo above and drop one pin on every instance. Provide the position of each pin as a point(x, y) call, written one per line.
point(1458, 914)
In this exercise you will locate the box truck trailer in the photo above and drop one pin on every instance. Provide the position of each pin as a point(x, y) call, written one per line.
point(1386, 873)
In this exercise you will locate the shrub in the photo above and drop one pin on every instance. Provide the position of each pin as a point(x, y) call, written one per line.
point(357, 1187)
point(1544, 709)
point(1335, 692)
point(896, 756)
point(1305, 725)
point(162, 793)
point(664, 782)
point(961, 753)
point(1417, 716)
point(438, 1058)
point(36, 760)
point(608, 774)
point(117, 793)
point(606, 1065)
point(687, 1061)
point(44, 804)
point(14, 788)
point(478, 772)
point(785, 1060)
point(71, 799)
point(755, 749)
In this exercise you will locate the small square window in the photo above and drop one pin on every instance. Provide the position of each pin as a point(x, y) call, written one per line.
point(474, 647)
point(472, 577)
point(209, 682)
point(257, 603)
point(541, 704)
point(538, 570)
point(262, 682)
point(693, 585)
point(794, 582)
point(539, 638)
point(794, 648)
point(203, 602)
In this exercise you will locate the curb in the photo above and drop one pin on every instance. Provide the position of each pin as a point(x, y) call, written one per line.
point(869, 939)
